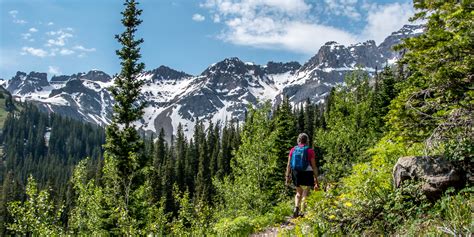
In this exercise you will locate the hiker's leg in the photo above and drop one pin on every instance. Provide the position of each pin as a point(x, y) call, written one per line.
point(305, 194)
point(299, 195)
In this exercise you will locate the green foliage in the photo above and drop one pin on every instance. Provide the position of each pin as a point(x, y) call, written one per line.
point(239, 226)
point(436, 100)
point(451, 215)
point(251, 191)
point(87, 215)
point(123, 163)
point(49, 161)
point(361, 201)
point(246, 225)
point(37, 215)
point(350, 128)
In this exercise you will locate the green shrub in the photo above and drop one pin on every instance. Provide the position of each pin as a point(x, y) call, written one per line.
point(239, 226)
point(451, 215)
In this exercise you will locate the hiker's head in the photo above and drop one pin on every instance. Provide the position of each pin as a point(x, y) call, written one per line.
point(303, 138)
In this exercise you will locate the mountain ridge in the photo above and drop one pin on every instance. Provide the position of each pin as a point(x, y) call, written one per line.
point(222, 91)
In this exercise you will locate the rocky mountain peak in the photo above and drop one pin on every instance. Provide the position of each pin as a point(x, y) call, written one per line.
point(96, 75)
point(386, 47)
point(366, 54)
point(331, 54)
point(409, 30)
point(229, 66)
point(166, 73)
point(23, 84)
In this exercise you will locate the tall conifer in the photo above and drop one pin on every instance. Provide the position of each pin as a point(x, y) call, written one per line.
point(123, 143)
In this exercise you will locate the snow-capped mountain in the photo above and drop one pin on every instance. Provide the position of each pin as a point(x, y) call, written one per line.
point(221, 92)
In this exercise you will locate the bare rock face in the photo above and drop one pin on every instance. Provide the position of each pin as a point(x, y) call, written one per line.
point(436, 173)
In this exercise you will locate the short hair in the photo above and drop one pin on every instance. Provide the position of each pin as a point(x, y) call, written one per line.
point(303, 138)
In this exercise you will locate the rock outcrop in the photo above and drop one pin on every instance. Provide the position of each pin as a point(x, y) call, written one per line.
point(436, 174)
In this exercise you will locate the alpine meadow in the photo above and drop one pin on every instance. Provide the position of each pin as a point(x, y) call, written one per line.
point(384, 132)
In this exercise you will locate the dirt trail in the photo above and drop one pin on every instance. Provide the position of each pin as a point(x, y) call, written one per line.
point(288, 224)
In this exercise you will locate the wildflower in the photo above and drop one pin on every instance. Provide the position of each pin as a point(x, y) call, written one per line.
point(332, 217)
point(348, 204)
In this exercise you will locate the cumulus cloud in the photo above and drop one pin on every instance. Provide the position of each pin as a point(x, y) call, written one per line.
point(50, 23)
point(384, 19)
point(66, 52)
point(59, 37)
point(293, 25)
point(13, 13)
point(19, 21)
point(34, 52)
point(83, 49)
point(54, 70)
point(26, 36)
point(33, 30)
point(198, 17)
point(282, 24)
point(343, 8)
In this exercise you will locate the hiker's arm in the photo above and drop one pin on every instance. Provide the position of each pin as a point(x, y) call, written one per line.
point(287, 173)
point(315, 173)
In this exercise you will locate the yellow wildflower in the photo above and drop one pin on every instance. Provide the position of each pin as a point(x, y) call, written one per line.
point(348, 204)
point(332, 217)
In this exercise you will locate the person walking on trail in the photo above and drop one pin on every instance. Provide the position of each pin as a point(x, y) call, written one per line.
point(302, 170)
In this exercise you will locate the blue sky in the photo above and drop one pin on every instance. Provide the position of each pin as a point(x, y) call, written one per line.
point(70, 36)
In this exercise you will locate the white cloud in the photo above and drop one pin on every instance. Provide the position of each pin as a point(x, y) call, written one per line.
point(293, 25)
point(54, 70)
point(273, 24)
point(83, 49)
point(34, 51)
point(50, 23)
point(19, 21)
point(66, 52)
point(60, 39)
point(344, 8)
point(26, 36)
point(13, 13)
point(33, 30)
point(384, 19)
point(198, 17)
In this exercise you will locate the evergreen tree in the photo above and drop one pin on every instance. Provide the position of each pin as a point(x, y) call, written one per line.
point(309, 120)
point(251, 190)
point(159, 158)
point(180, 150)
point(123, 144)
point(190, 167)
point(203, 178)
point(285, 136)
point(435, 103)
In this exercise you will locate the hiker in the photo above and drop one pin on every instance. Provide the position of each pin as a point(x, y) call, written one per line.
point(302, 165)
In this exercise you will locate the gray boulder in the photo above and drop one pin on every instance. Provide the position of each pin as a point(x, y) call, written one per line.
point(436, 174)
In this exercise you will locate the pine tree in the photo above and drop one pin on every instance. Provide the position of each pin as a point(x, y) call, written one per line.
point(203, 178)
point(309, 119)
point(158, 166)
point(180, 150)
point(284, 127)
point(435, 103)
point(123, 143)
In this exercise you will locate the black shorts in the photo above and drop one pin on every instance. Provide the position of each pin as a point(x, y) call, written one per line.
point(302, 178)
